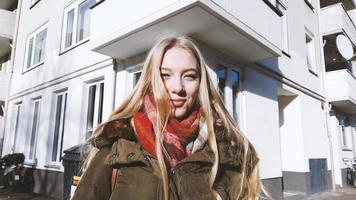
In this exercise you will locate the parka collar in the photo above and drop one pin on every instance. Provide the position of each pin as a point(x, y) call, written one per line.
point(126, 150)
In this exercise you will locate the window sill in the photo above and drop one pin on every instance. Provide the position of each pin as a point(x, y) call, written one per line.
point(313, 72)
point(73, 47)
point(34, 4)
point(273, 7)
point(31, 163)
point(309, 5)
point(33, 67)
point(286, 54)
point(53, 165)
point(346, 149)
point(97, 3)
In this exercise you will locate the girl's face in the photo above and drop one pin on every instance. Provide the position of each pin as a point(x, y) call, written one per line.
point(180, 74)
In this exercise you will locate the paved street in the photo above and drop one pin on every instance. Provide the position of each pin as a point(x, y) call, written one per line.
point(340, 194)
point(22, 196)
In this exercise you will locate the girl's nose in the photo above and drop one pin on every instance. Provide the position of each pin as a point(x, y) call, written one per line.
point(177, 86)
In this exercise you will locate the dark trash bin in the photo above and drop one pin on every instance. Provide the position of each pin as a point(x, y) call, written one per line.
point(72, 161)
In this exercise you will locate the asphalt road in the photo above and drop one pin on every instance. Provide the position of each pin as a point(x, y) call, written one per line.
point(340, 194)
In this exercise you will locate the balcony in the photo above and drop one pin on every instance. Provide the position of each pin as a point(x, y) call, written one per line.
point(7, 24)
point(349, 4)
point(229, 29)
point(341, 90)
point(335, 19)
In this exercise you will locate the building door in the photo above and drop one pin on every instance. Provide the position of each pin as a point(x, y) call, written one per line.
point(318, 175)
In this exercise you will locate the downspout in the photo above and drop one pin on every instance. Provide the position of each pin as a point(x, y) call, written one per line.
point(327, 105)
point(13, 51)
point(115, 66)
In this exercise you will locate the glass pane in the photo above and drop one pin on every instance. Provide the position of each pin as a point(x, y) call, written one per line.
point(235, 90)
point(69, 28)
point(40, 46)
point(101, 98)
point(63, 125)
point(222, 81)
point(29, 53)
point(2, 108)
point(34, 131)
point(136, 78)
point(90, 113)
point(56, 127)
point(18, 107)
point(84, 19)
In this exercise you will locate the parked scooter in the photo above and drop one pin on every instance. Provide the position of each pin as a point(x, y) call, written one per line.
point(351, 175)
point(11, 170)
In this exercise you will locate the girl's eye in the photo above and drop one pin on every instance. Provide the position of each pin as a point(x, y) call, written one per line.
point(164, 75)
point(190, 77)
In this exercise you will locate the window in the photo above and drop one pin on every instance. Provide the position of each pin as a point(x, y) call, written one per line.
point(36, 48)
point(136, 77)
point(33, 3)
point(310, 52)
point(343, 124)
point(273, 2)
point(274, 5)
point(2, 108)
point(16, 120)
point(3, 62)
point(229, 88)
point(34, 129)
point(76, 23)
point(309, 4)
point(61, 106)
point(283, 9)
point(222, 81)
point(235, 83)
point(95, 106)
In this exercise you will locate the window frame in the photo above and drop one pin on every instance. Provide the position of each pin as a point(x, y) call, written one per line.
point(72, 6)
point(310, 48)
point(2, 108)
point(274, 6)
point(17, 111)
point(33, 36)
point(344, 134)
point(61, 127)
point(33, 3)
point(32, 134)
point(97, 105)
point(228, 93)
point(310, 4)
point(285, 28)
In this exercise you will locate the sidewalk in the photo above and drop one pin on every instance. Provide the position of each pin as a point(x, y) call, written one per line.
point(22, 196)
point(340, 194)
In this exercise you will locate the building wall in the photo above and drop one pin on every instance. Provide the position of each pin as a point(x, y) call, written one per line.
point(280, 99)
point(56, 63)
point(75, 126)
point(300, 20)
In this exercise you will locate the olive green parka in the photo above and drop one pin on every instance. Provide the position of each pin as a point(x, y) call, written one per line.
point(139, 174)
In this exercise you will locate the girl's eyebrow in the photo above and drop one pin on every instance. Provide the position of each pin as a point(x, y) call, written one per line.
point(186, 70)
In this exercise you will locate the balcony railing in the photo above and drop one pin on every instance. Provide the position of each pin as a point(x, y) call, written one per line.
point(341, 89)
point(7, 23)
point(226, 25)
point(335, 19)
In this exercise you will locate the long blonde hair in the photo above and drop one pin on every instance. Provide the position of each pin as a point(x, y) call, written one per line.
point(213, 108)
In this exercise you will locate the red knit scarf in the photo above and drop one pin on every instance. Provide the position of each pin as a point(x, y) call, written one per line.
point(176, 135)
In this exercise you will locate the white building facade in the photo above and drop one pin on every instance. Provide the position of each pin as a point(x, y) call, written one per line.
point(76, 60)
point(8, 15)
point(338, 19)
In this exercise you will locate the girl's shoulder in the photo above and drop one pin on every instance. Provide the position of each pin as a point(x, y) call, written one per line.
point(112, 131)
